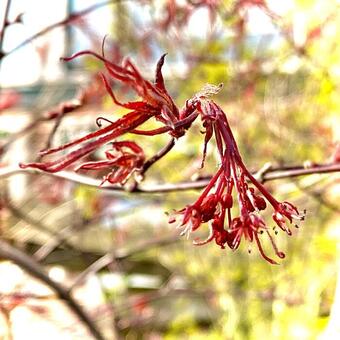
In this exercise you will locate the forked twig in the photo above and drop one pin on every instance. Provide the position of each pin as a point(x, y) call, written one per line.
point(17, 256)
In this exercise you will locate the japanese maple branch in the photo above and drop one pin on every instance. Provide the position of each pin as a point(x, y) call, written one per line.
point(161, 153)
point(270, 175)
point(152, 160)
point(11, 253)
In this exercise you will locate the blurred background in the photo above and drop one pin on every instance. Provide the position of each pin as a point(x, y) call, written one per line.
point(114, 252)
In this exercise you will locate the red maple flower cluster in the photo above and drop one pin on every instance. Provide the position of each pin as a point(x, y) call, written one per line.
point(123, 159)
point(231, 183)
point(215, 204)
point(155, 102)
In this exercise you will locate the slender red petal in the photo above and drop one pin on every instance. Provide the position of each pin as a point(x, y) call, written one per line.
point(151, 132)
point(96, 165)
point(261, 250)
point(139, 105)
point(159, 80)
point(118, 124)
point(70, 158)
point(96, 55)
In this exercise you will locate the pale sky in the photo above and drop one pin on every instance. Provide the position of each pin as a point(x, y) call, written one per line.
point(24, 66)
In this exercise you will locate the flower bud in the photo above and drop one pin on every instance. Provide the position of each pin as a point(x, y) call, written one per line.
point(260, 203)
point(227, 201)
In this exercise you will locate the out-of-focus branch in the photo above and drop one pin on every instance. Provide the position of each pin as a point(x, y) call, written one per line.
point(56, 114)
point(64, 108)
point(38, 225)
point(3, 27)
point(72, 17)
point(26, 262)
point(270, 175)
point(167, 291)
point(14, 136)
point(123, 254)
point(319, 195)
point(63, 235)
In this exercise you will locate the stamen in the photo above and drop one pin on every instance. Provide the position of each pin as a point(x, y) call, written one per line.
point(262, 252)
point(198, 242)
point(99, 119)
point(280, 254)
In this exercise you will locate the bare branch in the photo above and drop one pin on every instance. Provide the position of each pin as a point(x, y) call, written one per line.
point(63, 236)
point(38, 225)
point(64, 108)
point(55, 115)
point(72, 17)
point(11, 253)
point(122, 254)
point(3, 27)
point(270, 175)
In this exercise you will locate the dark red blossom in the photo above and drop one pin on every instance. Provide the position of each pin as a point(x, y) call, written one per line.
point(155, 102)
point(214, 206)
point(124, 158)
